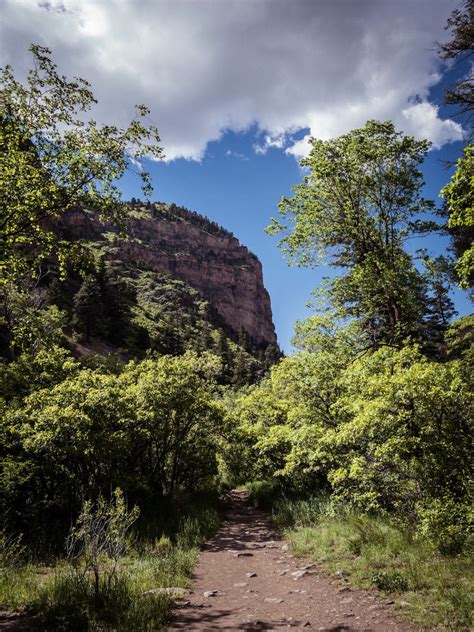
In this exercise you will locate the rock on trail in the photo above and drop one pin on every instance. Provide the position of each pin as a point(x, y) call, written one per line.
point(240, 584)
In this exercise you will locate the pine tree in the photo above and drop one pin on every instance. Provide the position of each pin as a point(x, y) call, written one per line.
point(88, 315)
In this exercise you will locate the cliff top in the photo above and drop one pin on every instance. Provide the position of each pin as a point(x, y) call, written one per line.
point(174, 213)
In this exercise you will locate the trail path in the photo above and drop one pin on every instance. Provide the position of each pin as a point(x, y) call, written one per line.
point(256, 584)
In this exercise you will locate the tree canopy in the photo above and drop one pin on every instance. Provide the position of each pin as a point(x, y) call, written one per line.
point(459, 197)
point(53, 158)
point(461, 47)
point(359, 202)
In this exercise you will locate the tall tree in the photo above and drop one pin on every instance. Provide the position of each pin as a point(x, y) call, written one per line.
point(460, 48)
point(53, 159)
point(358, 204)
point(89, 310)
point(459, 208)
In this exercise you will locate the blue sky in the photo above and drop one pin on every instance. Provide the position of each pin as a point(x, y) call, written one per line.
point(240, 189)
point(234, 86)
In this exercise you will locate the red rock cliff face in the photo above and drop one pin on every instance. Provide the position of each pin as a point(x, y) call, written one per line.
point(217, 265)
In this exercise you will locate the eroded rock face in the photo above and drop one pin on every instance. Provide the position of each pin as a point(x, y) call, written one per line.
point(217, 265)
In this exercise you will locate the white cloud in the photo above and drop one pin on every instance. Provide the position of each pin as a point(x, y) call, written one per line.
point(278, 141)
point(204, 66)
point(422, 121)
point(235, 154)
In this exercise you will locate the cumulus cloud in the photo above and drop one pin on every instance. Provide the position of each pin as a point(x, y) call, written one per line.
point(280, 141)
point(205, 66)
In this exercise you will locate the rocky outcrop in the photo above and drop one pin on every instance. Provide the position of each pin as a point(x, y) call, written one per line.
point(214, 262)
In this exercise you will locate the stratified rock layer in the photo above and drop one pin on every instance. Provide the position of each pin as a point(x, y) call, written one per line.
point(224, 272)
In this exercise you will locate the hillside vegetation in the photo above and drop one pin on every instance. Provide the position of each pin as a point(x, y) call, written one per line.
point(126, 407)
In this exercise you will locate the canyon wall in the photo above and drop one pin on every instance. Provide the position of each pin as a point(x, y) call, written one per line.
point(206, 257)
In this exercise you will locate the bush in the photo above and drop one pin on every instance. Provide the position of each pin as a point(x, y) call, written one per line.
point(390, 581)
point(448, 525)
point(98, 540)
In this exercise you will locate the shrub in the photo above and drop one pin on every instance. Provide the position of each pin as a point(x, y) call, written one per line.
point(98, 540)
point(447, 524)
point(390, 581)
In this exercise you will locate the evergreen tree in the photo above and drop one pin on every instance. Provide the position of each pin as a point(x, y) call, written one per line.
point(89, 312)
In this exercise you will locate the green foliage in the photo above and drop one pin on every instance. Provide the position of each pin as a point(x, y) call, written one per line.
point(52, 159)
point(461, 45)
point(169, 313)
point(386, 432)
point(405, 432)
point(436, 589)
point(459, 199)
point(98, 539)
point(89, 313)
point(148, 575)
point(390, 581)
point(12, 551)
point(448, 524)
point(263, 494)
point(355, 209)
point(152, 430)
point(459, 342)
point(35, 371)
point(28, 323)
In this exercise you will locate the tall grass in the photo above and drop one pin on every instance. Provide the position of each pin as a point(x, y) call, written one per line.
point(429, 588)
point(64, 597)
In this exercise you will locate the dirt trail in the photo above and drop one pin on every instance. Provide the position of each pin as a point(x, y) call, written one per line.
point(258, 585)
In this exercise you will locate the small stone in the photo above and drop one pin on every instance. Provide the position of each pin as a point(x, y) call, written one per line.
point(298, 574)
point(390, 602)
point(273, 600)
point(213, 593)
point(250, 574)
point(284, 548)
point(348, 615)
point(243, 554)
point(347, 600)
point(240, 584)
point(404, 604)
point(181, 603)
point(281, 573)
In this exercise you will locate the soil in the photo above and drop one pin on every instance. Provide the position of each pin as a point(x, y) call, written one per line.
point(246, 579)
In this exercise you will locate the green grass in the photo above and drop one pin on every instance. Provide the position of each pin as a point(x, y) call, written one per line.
point(19, 586)
point(64, 597)
point(428, 588)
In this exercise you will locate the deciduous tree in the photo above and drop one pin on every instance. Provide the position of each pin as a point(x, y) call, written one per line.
point(52, 158)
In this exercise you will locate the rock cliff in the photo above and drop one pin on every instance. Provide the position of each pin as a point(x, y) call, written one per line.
point(170, 239)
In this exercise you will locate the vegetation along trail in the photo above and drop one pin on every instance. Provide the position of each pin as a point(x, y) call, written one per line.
point(247, 580)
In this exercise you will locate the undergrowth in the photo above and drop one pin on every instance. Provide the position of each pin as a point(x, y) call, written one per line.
point(428, 587)
point(64, 596)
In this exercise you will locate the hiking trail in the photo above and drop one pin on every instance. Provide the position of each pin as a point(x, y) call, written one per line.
point(247, 579)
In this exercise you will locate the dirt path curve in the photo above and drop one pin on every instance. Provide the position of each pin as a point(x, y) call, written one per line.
point(257, 585)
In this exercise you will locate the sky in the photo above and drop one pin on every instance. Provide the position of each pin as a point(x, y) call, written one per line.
point(236, 87)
